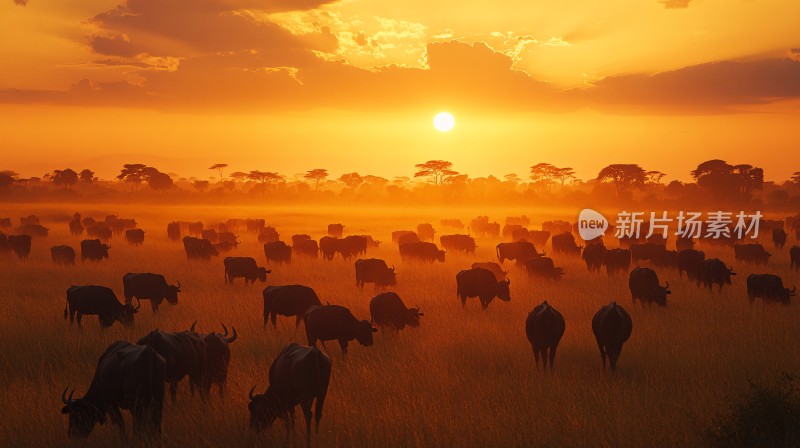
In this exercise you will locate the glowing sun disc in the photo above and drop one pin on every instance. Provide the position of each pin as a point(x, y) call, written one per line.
point(444, 121)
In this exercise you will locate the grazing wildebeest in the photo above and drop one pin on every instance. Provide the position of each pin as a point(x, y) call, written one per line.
point(195, 228)
point(544, 328)
point(99, 231)
point(20, 245)
point(299, 375)
point(94, 250)
point(463, 243)
point(128, 376)
point(779, 238)
point(520, 251)
point(594, 255)
point(481, 283)
point(134, 237)
point(452, 224)
point(421, 251)
point(218, 358)
point(617, 261)
point(148, 286)
point(278, 252)
point(352, 245)
point(543, 267)
point(751, 253)
point(198, 249)
point(210, 235)
point(397, 234)
point(34, 230)
point(101, 301)
point(684, 243)
point(255, 225)
point(62, 255)
point(306, 247)
point(388, 310)
point(268, 235)
point(30, 219)
point(794, 256)
point(612, 327)
point(185, 355)
point(565, 243)
point(245, 267)
point(768, 287)
point(689, 261)
point(643, 284)
point(5, 223)
point(426, 232)
point(713, 271)
point(174, 231)
point(374, 270)
point(288, 300)
point(496, 269)
point(327, 245)
point(334, 322)
point(335, 230)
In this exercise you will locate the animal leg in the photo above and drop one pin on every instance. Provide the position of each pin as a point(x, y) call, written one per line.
point(305, 405)
point(116, 418)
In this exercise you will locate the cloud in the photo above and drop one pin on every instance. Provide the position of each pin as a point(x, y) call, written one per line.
point(675, 4)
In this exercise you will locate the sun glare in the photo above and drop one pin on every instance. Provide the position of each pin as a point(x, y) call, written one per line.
point(444, 121)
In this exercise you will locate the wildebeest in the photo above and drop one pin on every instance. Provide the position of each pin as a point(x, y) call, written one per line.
point(689, 261)
point(174, 231)
point(463, 243)
point(20, 245)
point(612, 326)
point(544, 328)
point(29, 220)
point(299, 375)
point(288, 300)
point(185, 355)
point(481, 283)
point(779, 238)
point(278, 252)
point(210, 235)
point(643, 284)
point(148, 286)
point(327, 245)
point(94, 250)
point(543, 267)
point(684, 243)
point(617, 260)
point(397, 234)
point(335, 230)
point(374, 270)
point(99, 231)
point(421, 251)
point(407, 238)
point(198, 249)
point(307, 247)
point(195, 228)
point(565, 243)
point(334, 322)
point(714, 272)
point(751, 253)
point(426, 232)
point(452, 224)
point(75, 226)
point(594, 255)
point(218, 358)
point(34, 230)
point(496, 269)
point(128, 376)
point(351, 246)
point(245, 267)
point(101, 301)
point(62, 255)
point(255, 225)
point(134, 237)
point(5, 223)
point(520, 251)
point(794, 257)
point(768, 287)
point(521, 234)
point(268, 235)
point(388, 310)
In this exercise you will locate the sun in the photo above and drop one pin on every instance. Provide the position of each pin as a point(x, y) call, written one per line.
point(444, 121)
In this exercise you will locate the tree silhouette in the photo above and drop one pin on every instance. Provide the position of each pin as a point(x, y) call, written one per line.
point(219, 167)
point(512, 178)
point(796, 177)
point(86, 176)
point(238, 176)
point(157, 180)
point(437, 171)
point(136, 173)
point(722, 178)
point(316, 175)
point(352, 180)
point(653, 177)
point(200, 185)
point(265, 177)
point(66, 178)
point(624, 176)
point(563, 175)
point(132, 173)
point(543, 173)
point(374, 180)
point(7, 178)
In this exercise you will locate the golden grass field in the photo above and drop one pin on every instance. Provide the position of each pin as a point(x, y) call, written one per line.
point(465, 378)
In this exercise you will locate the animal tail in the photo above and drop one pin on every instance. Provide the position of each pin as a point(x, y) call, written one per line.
point(66, 307)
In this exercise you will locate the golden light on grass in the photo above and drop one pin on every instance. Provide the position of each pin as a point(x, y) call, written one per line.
point(444, 121)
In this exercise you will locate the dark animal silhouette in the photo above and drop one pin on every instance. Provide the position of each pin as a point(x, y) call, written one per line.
point(334, 322)
point(245, 267)
point(521, 251)
point(612, 326)
point(594, 255)
point(149, 286)
point(374, 270)
point(714, 272)
point(689, 261)
point(185, 355)
point(335, 230)
point(20, 245)
point(388, 310)
point(94, 250)
point(218, 358)
point(496, 269)
point(643, 284)
point(199, 249)
point(62, 255)
point(100, 301)
point(617, 261)
point(544, 328)
point(134, 237)
point(751, 253)
point(768, 287)
point(288, 300)
point(278, 252)
point(421, 251)
point(483, 284)
point(458, 243)
point(779, 238)
point(426, 232)
point(543, 267)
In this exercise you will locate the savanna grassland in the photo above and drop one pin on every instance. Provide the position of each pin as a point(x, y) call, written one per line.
point(465, 378)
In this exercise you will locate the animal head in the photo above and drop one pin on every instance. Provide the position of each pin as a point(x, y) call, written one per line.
point(82, 415)
point(413, 316)
point(364, 333)
point(128, 310)
point(661, 294)
point(440, 255)
point(262, 273)
point(172, 293)
point(264, 410)
point(503, 290)
point(390, 277)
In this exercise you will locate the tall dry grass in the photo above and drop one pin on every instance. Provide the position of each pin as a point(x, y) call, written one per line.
point(464, 378)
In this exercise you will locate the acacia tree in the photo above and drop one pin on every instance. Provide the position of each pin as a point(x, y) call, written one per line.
point(132, 173)
point(86, 176)
point(200, 185)
point(265, 177)
point(437, 171)
point(136, 173)
point(653, 177)
point(316, 175)
point(66, 178)
point(624, 176)
point(352, 180)
point(563, 175)
point(220, 167)
point(238, 176)
point(543, 173)
point(7, 178)
point(722, 178)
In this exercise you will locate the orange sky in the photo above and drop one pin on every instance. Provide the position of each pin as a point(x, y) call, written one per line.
point(290, 85)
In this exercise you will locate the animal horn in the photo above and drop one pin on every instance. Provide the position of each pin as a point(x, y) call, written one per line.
point(138, 304)
point(191, 329)
point(666, 285)
point(250, 394)
point(64, 398)
point(794, 290)
point(232, 338)
point(179, 285)
point(224, 328)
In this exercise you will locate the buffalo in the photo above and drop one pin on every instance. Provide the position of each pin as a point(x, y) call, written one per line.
point(460, 243)
point(521, 251)
point(306, 247)
point(278, 252)
point(643, 284)
point(617, 260)
point(565, 243)
point(334, 322)
point(544, 328)
point(510, 229)
point(62, 255)
point(421, 251)
point(327, 245)
point(594, 255)
point(351, 246)
point(426, 232)
point(406, 235)
point(5, 223)
point(199, 249)
point(210, 235)
point(481, 283)
point(254, 225)
point(452, 224)
point(288, 300)
point(496, 269)
point(543, 267)
point(751, 253)
point(195, 228)
point(794, 256)
point(34, 230)
point(646, 251)
point(779, 238)
point(714, 272)
point(335, 230)
point(134, 237)
point(29, 220)
point(268, 235)
point(20, 245)
point(218, 358)
point(557, 227)
point(100, 301)
point(174, 231)
point(612, 326)
point(689, 261)
point(94, 250)
point(244, 267)
point(388, 310)
point(148, 286)
point(538, 237)
point(99, 231)
point(374, 270)
point(684, 243)
point(185, 355)
point(769, 288)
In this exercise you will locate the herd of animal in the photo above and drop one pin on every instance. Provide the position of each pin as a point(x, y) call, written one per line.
point(132, 376)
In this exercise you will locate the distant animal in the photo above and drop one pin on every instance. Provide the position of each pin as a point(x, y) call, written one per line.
point(689, 261)
point(684, 243)
point(129, 377)
point(134, 237)
point(426, 232)
point(29, 220)
point(510, 229)
point(327, 245)
point(199, 249)
point(643, 284)
point(301, 237)
point(94, 250)
point(5, 223)
point(410, 234)
point(458, 243)
point(268, 235)
point(149, 286)
point(794, 256)
point(278, 252)
point(218, 358)
point(612, 326)
point(195, 228)
point(245, 267)
point(481, 283)
point(421, 251)
point(185, 355)
point(520, 251)
point(174, 231)
point(521, 234)
point(523, 220)
point(374, 270)
point(299, 375)
point(408, 238)
point(452, 224)
point(335, 230)
point(62, 255)
point(20, 245)
point(557, 227)
point(544, 328)
point(288, 300)
point(255, 225)
point(388, 310)
point(617, 261)
point(99, 231)
point(564, 243)
point(371, 242)
point(34, 230)
point(543, 267)
point(306, 247)
point(351, 246)
point(496, 269)
point(100, 301)
point(779, 238)
point(594, 256)
point(4, 245)
point(334, 322)
point(714, 272)
point(538, 237)
point(768, 287)
point(210, 235)
point(751, 253)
